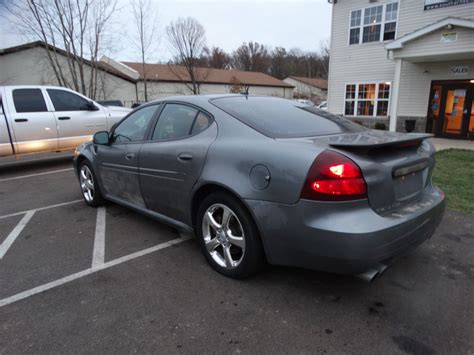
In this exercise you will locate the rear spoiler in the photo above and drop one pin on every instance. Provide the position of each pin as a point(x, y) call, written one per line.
point(374, 141)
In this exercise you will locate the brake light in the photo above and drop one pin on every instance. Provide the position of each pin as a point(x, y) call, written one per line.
point(334, 177)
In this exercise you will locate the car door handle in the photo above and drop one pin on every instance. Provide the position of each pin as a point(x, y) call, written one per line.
point(21, 119)
point(129, 156)
point(185, 156)
point(64, 118)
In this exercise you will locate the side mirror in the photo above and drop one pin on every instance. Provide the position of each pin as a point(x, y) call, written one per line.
point(101, 138)
point(92, 107)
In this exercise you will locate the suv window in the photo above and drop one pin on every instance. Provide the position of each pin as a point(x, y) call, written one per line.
point(29, 100)
point(67, 101)
point(133, 128)
point(280, 118)
point(176, 121)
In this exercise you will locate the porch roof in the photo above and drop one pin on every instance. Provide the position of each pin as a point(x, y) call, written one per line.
point(446, 40)
point(446, 22)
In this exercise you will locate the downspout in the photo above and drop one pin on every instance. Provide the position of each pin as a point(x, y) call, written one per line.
point(136, 91)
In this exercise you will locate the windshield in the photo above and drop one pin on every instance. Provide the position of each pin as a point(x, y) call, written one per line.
point(281, 118)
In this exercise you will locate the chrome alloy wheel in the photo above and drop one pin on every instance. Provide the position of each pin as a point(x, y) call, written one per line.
point(87, 183)
point(223, 236)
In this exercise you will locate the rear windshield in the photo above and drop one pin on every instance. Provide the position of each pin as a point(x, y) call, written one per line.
point(281, 118)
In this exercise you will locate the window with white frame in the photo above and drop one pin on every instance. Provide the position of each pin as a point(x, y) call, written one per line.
point(390, 26)
point(373, 24)
point(354, 33)
point(367, 99)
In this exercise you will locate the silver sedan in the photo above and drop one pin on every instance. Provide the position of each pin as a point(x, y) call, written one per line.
point(264, 179)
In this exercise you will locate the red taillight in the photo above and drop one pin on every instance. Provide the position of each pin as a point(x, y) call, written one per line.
point(334, 177)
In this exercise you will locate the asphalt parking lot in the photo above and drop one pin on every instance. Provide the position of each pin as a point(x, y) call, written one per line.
point(75, 279)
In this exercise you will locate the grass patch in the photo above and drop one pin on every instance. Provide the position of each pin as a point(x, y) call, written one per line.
point(454, 174)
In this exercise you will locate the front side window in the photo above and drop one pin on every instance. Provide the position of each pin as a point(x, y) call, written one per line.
point(367, 99)
point(176, 121)
point(67, 101)
point(134, 127)
point(373, 24)
point(29, 100)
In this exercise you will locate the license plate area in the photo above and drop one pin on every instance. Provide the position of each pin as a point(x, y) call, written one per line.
point(409, 180)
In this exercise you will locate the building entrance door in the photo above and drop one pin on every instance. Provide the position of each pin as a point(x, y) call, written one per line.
point(451, 111)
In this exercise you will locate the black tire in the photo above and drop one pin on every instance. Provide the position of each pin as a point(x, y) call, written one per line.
point(97, 198)
point(252, 260)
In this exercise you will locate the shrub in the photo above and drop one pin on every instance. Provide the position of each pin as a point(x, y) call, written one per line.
point(380, 125)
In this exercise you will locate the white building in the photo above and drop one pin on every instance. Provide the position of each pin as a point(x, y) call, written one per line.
point(404, 63)
point(166, 80)
point(28, 65)
point(308, 88)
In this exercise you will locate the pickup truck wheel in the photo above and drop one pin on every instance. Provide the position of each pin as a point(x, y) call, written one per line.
point(89, 185)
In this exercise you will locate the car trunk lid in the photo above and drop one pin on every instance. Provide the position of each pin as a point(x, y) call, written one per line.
point(396, 167)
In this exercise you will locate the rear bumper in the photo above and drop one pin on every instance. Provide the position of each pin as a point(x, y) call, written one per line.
point(343, 237)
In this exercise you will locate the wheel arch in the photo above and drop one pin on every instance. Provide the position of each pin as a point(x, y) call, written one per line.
point(206, 189)
point(79, 160)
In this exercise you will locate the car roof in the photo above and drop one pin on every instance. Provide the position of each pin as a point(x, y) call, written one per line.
point(36, 87)
point(194, 99)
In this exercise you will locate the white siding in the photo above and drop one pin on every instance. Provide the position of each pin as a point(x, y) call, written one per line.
point(415, 84)
point(431, 44)
point(412, 15)
point(163, 89)
point(365, 62)
point(368, 62)
point(306, 90)
point(31, 67)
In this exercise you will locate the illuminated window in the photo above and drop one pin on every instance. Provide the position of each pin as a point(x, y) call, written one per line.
point(369, 99)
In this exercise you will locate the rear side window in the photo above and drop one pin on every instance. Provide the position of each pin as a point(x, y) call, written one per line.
point(29, 100)
point(201, 123)
point(67, 101)
point(176, 121)
point(281, 118)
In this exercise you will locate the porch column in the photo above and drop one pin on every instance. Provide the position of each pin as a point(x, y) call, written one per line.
point(394, 95)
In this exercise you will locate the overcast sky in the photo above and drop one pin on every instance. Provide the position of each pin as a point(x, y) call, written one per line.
point(228, 23)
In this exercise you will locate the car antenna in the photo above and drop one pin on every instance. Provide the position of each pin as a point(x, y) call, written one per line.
point(246, 90)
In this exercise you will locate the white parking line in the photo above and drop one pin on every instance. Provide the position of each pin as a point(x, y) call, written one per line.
point(78, 275)
point(15, 233)
point(37, 174)
point(98, 256)
point(41, 208)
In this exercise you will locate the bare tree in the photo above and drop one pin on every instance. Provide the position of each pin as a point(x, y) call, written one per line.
point(252, 56)
point(324, 53)
point(215, 58)
point(77, 27)
point(187, 39)
point(146, 21)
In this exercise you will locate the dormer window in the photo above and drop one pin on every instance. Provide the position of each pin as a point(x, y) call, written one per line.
point(373, 24)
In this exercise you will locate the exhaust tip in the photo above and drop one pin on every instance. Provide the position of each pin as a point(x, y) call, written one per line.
point(370, 274)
